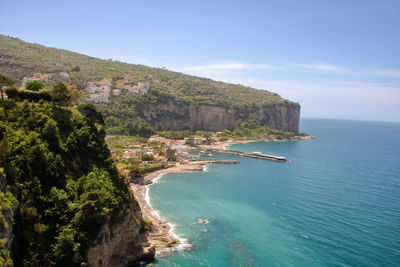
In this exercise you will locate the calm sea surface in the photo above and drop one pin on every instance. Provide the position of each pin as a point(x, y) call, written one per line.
point(336, 203)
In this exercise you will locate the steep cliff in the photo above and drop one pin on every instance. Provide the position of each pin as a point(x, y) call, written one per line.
point(174, 115)
point(123, 243)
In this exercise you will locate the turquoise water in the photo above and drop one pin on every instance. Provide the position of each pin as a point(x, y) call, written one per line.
point(336, 203)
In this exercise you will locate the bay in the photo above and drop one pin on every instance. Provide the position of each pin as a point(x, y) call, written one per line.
point(336, 203)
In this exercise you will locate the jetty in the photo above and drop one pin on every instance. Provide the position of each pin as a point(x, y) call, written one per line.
point(257, 155)
point(219, 161)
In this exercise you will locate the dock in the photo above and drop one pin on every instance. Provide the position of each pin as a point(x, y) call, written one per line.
point(219, 161)
point(256, 155)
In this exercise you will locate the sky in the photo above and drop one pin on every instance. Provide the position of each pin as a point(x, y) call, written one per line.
point(338, 59)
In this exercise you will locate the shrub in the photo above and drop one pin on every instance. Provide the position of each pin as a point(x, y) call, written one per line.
point(146, 224)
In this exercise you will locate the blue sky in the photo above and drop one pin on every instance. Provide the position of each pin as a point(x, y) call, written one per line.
point(338, 59)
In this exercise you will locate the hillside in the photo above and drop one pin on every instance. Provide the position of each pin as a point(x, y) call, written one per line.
point(186, 99)
point(63, 201)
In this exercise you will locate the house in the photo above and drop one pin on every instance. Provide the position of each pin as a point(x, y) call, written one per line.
point(143, 87)
point(97, 98)
point(116, 92)
point(132, 89)
point(64, 75)
point(120, 85)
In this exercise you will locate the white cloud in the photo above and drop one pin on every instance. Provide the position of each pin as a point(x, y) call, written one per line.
point(383, 72)
point(231, 67)
point(319, 66)
point(395, 73)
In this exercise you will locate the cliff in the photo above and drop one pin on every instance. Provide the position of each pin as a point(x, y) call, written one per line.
point(173, 115)
point(123, 243)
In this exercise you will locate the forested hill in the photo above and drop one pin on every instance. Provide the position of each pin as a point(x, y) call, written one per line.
point(19, 59)
point(172, 101)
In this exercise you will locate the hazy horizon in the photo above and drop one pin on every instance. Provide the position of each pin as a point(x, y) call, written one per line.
point(338, 60)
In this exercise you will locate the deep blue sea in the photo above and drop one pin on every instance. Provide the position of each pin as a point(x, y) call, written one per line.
point(337, 203)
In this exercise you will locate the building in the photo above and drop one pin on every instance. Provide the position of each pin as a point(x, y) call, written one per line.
point(116, 92)
point(132, 89)
point(120, 85)
point(97, 98)
point(143, 87)
point(63, 75)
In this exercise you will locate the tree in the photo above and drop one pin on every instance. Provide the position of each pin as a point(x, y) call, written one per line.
point(12, 92)
point(139, 128)
point(4, 81)
point(90, 111)
point(147, 157)
point(34, 85)
point(5, 148)
point(76, 69)
point(64, 94)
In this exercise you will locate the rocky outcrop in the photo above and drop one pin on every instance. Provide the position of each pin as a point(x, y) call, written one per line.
point(123, 243)
point(173, 115)
point(7, 234)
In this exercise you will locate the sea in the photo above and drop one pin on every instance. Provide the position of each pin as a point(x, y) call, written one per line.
point(336, 203)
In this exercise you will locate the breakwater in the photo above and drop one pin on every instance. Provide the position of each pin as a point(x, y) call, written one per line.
point(256, 155)
point(220, 161)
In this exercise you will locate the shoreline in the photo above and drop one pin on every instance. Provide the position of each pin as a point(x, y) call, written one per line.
point(224, 144)
point(162, 234)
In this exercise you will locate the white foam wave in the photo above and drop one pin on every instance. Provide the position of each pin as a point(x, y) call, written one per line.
point(183, 244)
point(205, 167)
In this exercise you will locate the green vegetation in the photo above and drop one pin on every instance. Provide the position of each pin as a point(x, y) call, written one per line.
point(4, 82)
point(136, 171)
point(122, 119)
point(34, 85)
point(125, 113)
point(65, 94)
point(18, 59)
point(118, 143)
point(175, 135)
point(146, 157)
point(61, 93)
point(253, 129)
point(57, 169)
point(146, 224)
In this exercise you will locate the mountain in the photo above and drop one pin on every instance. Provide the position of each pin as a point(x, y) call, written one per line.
point(175, 101)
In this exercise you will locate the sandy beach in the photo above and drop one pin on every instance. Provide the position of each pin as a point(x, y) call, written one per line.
point(162, 235)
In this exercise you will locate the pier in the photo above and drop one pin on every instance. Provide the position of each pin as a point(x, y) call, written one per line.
point(257, 155)
point(220, 161)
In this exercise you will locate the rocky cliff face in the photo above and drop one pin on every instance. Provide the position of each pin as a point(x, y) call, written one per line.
point(174, 115)
point(122, 244)
point(7, 234)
